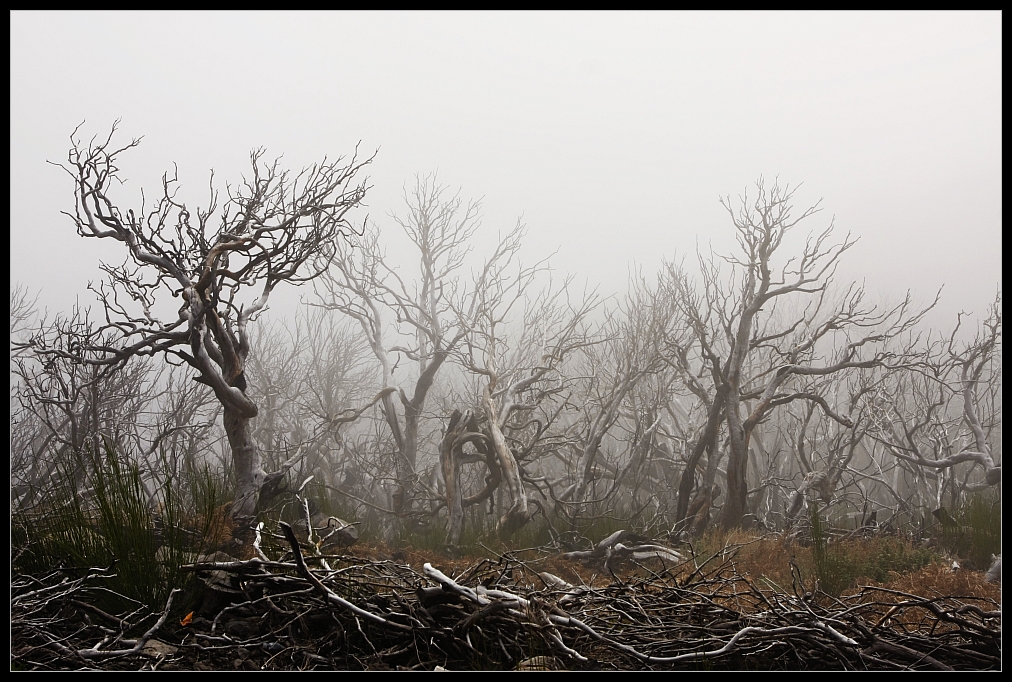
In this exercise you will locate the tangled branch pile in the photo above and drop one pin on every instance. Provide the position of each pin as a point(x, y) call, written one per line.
point(346, 613)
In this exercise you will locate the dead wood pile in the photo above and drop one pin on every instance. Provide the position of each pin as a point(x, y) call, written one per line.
point(346, 613)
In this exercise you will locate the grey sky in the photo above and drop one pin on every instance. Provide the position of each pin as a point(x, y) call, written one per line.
point(613, 135)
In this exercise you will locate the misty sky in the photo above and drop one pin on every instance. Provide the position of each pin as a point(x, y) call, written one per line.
point(611, 135)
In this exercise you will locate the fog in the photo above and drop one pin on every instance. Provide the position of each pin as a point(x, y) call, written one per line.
point(632, 297)
point(611, 136)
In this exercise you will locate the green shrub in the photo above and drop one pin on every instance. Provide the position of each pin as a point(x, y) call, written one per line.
point(976, 532)
point(894, 556)
point(835, 570)
point(840, 566)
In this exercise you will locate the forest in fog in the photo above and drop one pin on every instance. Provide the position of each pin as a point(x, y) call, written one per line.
point(465, 392)
point(640, 340)
point(736, 449)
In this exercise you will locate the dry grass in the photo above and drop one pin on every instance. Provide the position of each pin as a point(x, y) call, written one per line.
point(885, 561)
point(937, 580)
point(765, 560)
point(215, 530)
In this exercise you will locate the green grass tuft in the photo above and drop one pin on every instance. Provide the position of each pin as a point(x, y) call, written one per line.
point(102, 511)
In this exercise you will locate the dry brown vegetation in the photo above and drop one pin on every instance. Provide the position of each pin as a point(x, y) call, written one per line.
point(765, 558)
point(739, 601)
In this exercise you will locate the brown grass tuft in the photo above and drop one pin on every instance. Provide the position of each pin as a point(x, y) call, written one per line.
point(939, 580)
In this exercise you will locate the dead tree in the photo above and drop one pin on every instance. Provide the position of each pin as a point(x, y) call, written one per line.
point(632, 351)
point(366, 287)
point(23, 312)
point(310, 379)
point(432, 314)
point(221, 264)
point(769, 328)
point(461, 430)
point(520, 374)
point(77, 409)
point(940, 417)
point(647, 427)
point(696, 360)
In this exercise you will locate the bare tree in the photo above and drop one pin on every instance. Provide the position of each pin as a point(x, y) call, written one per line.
point(75, 407)
point(430, 314)
point(632, 350)
point(649, 430)
point(71, 411)
point(64, 412)
point(942, 416)
point(274, 227)
point(760, 354)
point(518, 342)
point(23, 431)
point(693, 354)
point(309, 379)
point(23, 312)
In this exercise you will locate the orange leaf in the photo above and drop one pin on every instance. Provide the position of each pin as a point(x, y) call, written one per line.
point(187, 619)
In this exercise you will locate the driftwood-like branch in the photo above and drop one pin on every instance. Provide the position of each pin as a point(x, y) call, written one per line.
point(34, 627)
point(501, 614)
point(623, 545)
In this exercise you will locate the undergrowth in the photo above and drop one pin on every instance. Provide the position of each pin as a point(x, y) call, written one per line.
point(974, 531)
point(841, 565)
point(100, 512)
point(837, 565)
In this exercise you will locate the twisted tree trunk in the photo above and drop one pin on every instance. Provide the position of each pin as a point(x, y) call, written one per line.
point(249, 475)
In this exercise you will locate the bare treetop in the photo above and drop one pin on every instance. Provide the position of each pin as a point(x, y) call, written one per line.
point(273, 227)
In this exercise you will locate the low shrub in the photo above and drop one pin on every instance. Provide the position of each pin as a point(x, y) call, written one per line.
point(841, 565)
point(100, 512)
point(974, 533)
